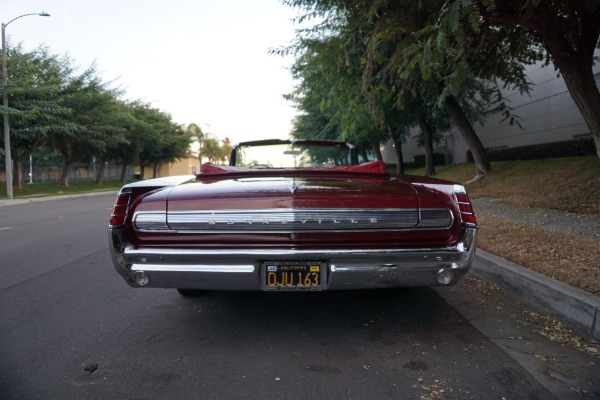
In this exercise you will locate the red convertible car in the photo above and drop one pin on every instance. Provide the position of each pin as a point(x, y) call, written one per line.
point(292, 215)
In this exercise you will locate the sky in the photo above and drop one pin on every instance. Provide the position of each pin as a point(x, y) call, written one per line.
point(203, 61)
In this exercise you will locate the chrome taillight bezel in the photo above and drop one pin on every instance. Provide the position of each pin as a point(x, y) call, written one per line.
point(118, 217)
point(464, 205)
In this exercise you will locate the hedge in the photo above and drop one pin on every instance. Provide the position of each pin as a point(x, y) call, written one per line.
point(567, 148)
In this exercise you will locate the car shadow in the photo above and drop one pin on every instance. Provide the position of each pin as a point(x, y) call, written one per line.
point(381, 315)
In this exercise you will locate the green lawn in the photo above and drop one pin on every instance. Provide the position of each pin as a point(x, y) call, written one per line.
point(55, 189)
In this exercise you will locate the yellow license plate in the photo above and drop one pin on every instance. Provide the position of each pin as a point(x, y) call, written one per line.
point(293, 276)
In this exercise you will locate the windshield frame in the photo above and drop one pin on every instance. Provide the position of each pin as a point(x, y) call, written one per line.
point(352, 154)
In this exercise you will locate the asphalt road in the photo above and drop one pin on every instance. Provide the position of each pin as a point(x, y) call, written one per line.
point(63, 308)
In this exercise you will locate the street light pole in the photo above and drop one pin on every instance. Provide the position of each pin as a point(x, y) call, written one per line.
point(7, 155)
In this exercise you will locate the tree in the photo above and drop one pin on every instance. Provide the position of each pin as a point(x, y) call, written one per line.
point(226, 149)
point(195, 131)
point(399, 58)
point(211, 149)
point(112, 123)
point(127, 153)
point(88, 100)
point(330, 94)
point(78, 117)
point(209, 146)
point(409, 52)
point(35, 109)
point(176, 143)
point(374, 95)
point(163, 140)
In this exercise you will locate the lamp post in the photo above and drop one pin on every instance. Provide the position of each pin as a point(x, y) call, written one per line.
point(7, 155)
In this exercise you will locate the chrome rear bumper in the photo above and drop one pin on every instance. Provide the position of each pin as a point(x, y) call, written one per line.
point(240, 269)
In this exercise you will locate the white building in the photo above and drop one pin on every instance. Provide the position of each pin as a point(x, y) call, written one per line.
point(547, 114)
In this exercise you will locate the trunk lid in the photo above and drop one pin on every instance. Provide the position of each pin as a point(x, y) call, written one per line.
point(314, 192)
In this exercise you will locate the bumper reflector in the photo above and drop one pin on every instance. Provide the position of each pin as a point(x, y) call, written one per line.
point(141, 278)
point(444, 276)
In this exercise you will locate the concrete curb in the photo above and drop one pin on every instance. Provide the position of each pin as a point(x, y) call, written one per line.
point(573, 306)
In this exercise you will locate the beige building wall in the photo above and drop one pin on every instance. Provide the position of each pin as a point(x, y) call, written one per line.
point(190, 165)
point(186, 166)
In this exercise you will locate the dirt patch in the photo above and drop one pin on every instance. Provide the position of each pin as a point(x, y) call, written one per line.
point(569, 184)
point(565, 184)
point(568, 248)
point(570, 259)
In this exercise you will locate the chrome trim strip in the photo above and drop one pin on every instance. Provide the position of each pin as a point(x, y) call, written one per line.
point(292, 220)
point(140, 255)
point(229, 269)
point(150, 221)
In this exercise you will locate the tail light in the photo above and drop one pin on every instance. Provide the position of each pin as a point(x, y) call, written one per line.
point(120, 209)
point(467, 215)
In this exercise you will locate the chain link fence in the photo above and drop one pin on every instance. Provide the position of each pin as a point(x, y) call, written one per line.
point(50, 171)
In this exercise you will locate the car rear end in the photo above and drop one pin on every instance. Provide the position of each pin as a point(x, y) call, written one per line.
point(293, 233)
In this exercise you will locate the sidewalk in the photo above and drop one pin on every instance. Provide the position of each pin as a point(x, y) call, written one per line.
point(573, 306)
point(553, 220)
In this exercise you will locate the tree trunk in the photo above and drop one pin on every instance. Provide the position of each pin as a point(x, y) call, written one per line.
point(100, 173)
point(363, 153)
point(17, 172)
point(459, 118)
point(17, 178)
point(398, 149)
point(142, 168)
point(582, 87)
point(123, 172)
point(17, 159)
point(64, 178)
point(428, 143)
point(377, 151)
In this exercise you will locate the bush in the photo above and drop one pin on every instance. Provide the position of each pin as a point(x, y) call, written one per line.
point(419, 161)
point(568, 148)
